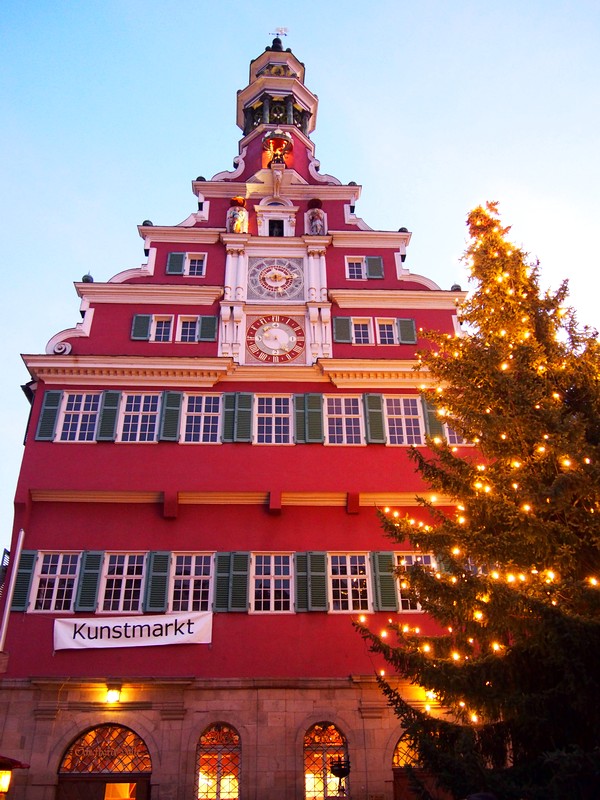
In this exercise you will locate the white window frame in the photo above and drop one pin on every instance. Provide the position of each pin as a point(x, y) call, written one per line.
point(180, 321)
point(394, 326)
point(406, 559)
point(342, 575)
point(363, 267)
point(75, 416)
point(408, 434)
point(273, 417)
point(130, 581)
point(60, 572)
point(345, 417)
point(189, 257)
point(205, 418)
point(281, 573)
point(368, 322)
point(191, 578)
point(159, 318)
point(124, 413)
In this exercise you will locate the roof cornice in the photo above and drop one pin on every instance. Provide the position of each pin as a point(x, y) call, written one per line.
point(361, 238)
point(135, 293)
point(385, 298)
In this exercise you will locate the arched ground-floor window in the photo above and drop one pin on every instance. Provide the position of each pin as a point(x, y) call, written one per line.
point(218, 763)
point(109, 762)
point(406, 762)
point(326, 763)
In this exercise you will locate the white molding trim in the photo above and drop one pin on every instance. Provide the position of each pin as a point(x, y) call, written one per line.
point(143, 271)
point(313, 168)
point(366, 373)
point(370, 238)
point(386, 298)
point(140, 293)
point(351, 219)
point(57, 344)
point(240, 166)
point(175, 233)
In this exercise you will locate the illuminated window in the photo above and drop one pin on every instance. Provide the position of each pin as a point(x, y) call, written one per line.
point(56, 576)
point(218, 763)
point(107, 749)
point(323, 744)
point(405, 754)
point(348, 582)
point(272, 582)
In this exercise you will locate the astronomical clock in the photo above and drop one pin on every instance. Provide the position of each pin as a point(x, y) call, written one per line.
point(275, 279)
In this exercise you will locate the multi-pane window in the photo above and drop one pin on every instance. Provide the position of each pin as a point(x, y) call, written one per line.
point(201, 418)
point(188, 329)
point(56, 577)
point(218, 758)
point(404, 424)
point(386, 331)
point(195, 264)
point(404, 561)
point(124, 576)
point(273, 420)
point(80, 417)
point(453, 436)
point(272, 583)
point(324, 745)
point(140, 418)
point(191, 582)
point(361, 331)
point(343, 420)
point(355, 269)
point(349, 582)
point(162, 329)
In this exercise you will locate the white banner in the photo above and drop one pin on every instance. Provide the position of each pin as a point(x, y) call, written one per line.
point(142, 631)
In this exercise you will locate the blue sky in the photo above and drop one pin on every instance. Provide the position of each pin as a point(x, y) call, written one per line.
point(109, 110)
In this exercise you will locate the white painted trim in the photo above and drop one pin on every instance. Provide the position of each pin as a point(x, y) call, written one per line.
point(16, 556)
point(382, 298)
point(139, 294)
point(313, 168)
point(145, 270)
point(57, 344)
point(240, 166)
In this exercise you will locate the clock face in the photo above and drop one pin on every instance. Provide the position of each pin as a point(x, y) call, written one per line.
point(275, 339)
point(275, 279)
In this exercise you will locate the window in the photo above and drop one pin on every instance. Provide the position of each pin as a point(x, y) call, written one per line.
point(404, 421)
point(360, 268)
point(122, 582)
point(361, 331)
point(56, 577)
point(324, 744)
point(161, 329)
point(348, 583)
point(386, 331)
point(218, 759)
point(453, 437)
point(272, 583)
point(188, 329)
point(201, 418)
point(192, 264)
point(404, 561)
point(191, 582)
point(151, 328)
point(275, 227)
point(80, 415)
point(344, 420)
point(140, 418)
point(273, 420)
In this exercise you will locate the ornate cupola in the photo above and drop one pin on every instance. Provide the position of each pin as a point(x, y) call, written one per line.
point(276, 95)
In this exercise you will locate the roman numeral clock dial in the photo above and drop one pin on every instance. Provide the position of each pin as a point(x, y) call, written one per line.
point(275, 339)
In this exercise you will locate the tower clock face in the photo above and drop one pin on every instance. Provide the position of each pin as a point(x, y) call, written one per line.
point(275, 339)
point(275, 279)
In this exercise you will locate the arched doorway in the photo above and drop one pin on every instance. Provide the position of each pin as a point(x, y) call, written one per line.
point(218, 763)
point(325, 748)
point(109, 762)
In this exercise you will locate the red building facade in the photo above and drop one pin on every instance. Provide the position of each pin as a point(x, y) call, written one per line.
point(196, 521)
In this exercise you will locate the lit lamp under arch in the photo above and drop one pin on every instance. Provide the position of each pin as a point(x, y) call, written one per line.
point(6, 767)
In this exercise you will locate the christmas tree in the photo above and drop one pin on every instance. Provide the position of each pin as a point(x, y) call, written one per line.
point(516, 588)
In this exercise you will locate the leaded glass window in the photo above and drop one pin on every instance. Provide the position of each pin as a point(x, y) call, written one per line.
point(218, 763)
point(107, 749)
point(324, 745)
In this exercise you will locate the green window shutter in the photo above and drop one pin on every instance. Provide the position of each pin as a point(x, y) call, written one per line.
point(222, 581)
point(384, 582)
point(433, 424)
point(308, 415)
point(48, 416)
point(342, 329)
point(407, 331)
point(374, 266)
point(89, 581)
point(20, 598)
point(243, 417)
point(175, 263)
point(317, 582)
point(228, 417)
point(207, 329)
point(109, 412)
point(301, 581)
point(170, 413)
point(238, 586)
point(375, 428)
point(157, 582)
point(140, 327)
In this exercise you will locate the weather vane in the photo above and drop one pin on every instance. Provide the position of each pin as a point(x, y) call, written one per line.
point(279, 32)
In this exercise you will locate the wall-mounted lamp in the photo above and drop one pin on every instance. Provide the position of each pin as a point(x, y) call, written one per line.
point(113, 692)
point(6, 767)
point(5, 776)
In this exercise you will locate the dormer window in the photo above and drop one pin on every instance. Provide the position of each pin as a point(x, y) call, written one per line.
point(276, 217)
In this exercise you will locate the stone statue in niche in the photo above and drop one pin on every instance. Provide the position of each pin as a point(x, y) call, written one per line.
point(316, 218)
point(237, 216)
